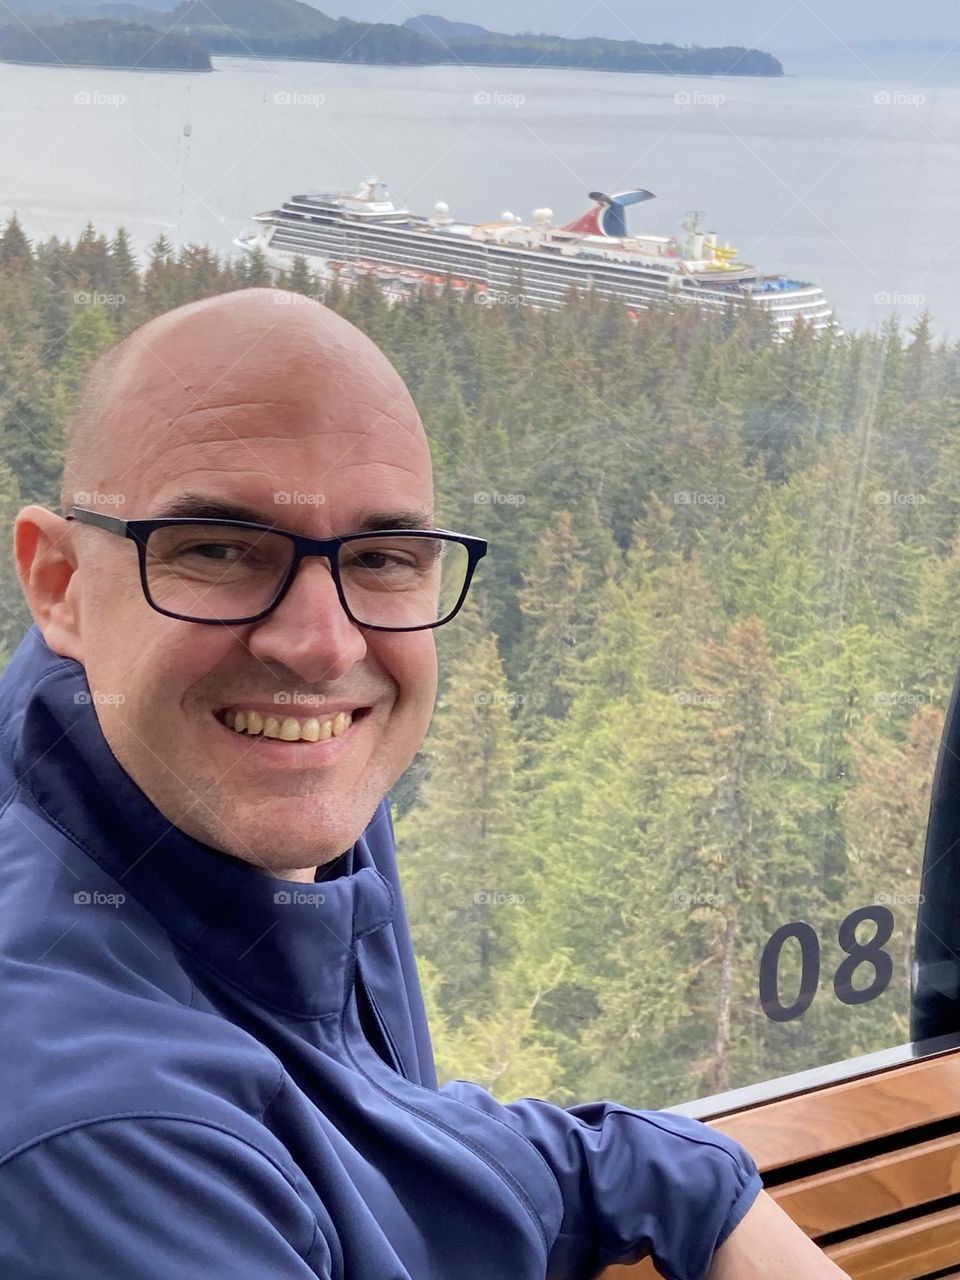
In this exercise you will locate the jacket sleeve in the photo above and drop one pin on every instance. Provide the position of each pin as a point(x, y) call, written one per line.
point(154, 1197)
point(634, 1184)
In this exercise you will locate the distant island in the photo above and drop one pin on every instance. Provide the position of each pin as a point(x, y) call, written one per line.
point(468, 42)
point(103, 43)
point(133, 35)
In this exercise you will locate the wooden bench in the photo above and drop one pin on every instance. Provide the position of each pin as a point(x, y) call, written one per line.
point(864, 1156)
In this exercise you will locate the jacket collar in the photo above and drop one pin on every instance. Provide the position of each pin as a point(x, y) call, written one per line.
point(288, 946)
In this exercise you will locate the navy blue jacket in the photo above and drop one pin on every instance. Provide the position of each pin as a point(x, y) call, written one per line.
point(206, 1072)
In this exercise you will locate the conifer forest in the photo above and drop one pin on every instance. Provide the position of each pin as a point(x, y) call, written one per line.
point(664, 836)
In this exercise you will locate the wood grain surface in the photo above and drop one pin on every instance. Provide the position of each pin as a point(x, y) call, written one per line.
point(913, 1171)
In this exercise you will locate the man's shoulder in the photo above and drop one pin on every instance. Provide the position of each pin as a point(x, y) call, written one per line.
point(67, 926)
point(97, 1006)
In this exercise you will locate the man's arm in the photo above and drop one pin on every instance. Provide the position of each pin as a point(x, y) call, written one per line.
point(633, 1184)
point(768, 1245)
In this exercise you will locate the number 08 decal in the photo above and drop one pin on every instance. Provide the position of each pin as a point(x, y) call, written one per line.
point(858, 954)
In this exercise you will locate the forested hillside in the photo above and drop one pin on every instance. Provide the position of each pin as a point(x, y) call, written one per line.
point(696, 695)
point(103, 42)
point(292, 29)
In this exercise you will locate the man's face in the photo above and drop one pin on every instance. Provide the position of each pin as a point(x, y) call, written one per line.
point(278, 418)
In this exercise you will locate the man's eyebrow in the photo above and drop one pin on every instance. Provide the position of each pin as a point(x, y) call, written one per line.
point(192, 505)
point(394, 520)
point(203, 508)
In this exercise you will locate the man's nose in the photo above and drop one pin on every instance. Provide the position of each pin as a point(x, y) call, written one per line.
point(309, 631)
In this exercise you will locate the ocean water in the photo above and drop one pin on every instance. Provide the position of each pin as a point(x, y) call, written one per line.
point(845, 172)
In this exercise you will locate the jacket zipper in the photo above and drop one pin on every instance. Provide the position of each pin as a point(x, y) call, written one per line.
point(392, 1058)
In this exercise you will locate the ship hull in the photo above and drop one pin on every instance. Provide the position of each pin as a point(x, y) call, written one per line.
point(402, 252)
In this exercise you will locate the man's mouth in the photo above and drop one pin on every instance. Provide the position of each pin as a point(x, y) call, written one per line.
point(287, 728)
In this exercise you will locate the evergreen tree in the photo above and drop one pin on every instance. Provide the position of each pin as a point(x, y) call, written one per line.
point(14, 615)
point(15, 251)
point(497, 1044)
point(89, 335)
point(253, 270)
point(885, 819)
point(302, 279)
point(124, 282)
point(559, 609)
point(31, 432)
point(199, 267)
point(464, 882)
point(162, 289)
point(748, 859)
point(91, 261)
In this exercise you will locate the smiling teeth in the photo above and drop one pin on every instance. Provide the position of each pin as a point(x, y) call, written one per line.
point(288, 729)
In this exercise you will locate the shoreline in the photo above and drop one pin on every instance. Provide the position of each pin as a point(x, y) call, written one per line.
point(404, 66)
point(105, 66)
point(502, 66)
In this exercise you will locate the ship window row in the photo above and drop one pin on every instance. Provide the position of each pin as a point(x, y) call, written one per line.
point(410, 248)
point(539, 277)
point(537, 283)
point(459, 253)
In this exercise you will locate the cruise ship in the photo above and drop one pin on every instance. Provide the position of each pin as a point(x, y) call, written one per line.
point(347, 235)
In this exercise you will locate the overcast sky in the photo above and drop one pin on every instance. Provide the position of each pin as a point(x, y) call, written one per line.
point(765, 24)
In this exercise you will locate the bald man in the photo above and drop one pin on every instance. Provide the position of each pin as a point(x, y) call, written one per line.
point(216, 1061)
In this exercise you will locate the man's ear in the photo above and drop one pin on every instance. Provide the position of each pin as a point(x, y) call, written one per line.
point(46, 565)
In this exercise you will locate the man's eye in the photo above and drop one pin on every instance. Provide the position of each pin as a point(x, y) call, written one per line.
point(381, 560)
point(225, 554)
point(214, 551)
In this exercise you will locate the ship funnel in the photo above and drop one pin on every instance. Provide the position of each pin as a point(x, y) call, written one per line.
point(607, 218)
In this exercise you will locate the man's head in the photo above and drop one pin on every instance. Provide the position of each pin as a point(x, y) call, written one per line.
point(236, 400)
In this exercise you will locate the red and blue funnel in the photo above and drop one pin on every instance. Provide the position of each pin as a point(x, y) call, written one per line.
point(607, 217)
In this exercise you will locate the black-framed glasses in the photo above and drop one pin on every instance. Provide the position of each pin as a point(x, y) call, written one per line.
point(228, 572)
